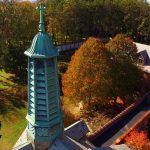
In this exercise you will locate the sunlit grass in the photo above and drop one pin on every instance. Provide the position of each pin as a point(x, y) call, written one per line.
point(5, 80)
point(13, 124)
point(12, 112)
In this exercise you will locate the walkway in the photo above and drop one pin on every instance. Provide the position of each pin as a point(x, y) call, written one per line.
point(71, 46)
point(74, 46)
point(112, 134)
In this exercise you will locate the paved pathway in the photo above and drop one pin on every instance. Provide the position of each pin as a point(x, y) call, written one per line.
point(71, 46)
point(112, 134)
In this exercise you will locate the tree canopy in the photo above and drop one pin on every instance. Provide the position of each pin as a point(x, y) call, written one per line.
point(126, 76)
point(102, 18)
point(17, 28)
point(123, 49)
point(87, 78)
point(68, 21)
point(99, 73)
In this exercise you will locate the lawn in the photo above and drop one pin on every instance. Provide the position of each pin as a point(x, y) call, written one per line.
point(5, 80)
point(12, 112)
point(13, 109)
point(13, 124)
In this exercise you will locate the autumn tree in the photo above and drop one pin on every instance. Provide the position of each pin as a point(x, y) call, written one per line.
point(98, 73)
point(87, 77)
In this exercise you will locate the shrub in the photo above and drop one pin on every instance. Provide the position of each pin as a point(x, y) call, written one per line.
point(136, 139)
point(146, 146)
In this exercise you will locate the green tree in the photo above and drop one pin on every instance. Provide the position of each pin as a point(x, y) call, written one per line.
point(18, 30)
point(123, 49)
point(68, 21)
point(126, 76)
point(136, 19)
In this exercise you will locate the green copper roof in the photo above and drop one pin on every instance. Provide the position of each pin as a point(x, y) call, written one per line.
point(42, 45)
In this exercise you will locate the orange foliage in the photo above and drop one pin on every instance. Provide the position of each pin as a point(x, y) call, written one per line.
point(120, 101)
point(87, 76)
point(136, 139)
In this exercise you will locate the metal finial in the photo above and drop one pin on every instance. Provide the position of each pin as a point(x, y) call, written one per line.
point(41, 9)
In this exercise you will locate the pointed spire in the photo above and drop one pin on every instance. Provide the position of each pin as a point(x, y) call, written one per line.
point(41, 9)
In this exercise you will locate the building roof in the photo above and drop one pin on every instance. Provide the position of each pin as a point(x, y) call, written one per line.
point(68, 142)
point(42, 47)
point(143, 47)
point(144, 54)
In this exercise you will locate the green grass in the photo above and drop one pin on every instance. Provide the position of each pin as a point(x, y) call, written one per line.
point(2, 87)
point(13, 124)
point(12, 112)
point(5, 80)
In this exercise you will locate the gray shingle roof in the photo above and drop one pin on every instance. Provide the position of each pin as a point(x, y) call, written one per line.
point(143, 47)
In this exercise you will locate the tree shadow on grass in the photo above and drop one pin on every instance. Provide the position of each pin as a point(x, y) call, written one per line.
point(9, 100)
point(17, 79)
point(20, 80)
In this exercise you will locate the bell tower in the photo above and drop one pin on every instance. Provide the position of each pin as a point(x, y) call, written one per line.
point(45, 117)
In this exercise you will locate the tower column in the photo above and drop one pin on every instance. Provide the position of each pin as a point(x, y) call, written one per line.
point(45, 117)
